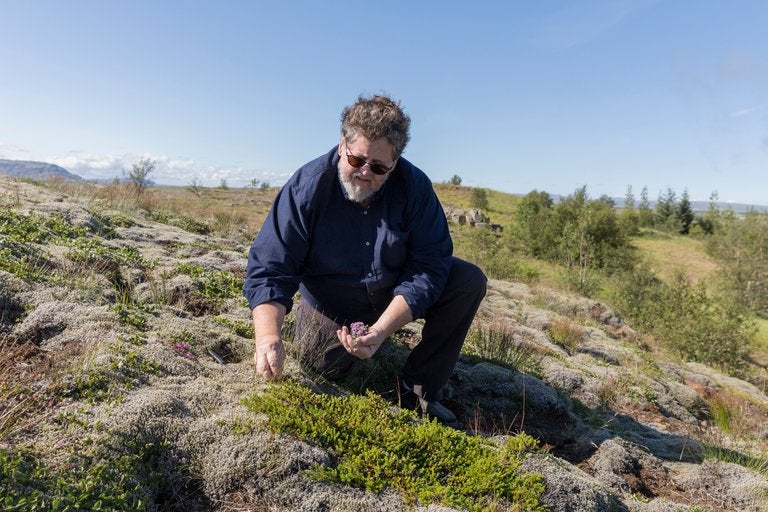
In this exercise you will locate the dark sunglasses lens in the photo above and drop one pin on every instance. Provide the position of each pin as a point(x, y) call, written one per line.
point(378, 169)
point(355, 162)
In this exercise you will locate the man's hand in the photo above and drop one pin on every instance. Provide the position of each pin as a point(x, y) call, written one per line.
point(363, 346)
point(270, 358)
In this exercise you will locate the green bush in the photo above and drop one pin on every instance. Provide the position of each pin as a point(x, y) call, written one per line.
point(741, 248)
point(584, 235)
point(687, 319)
point(479, 198)
point(495, 253)
point(376, 447)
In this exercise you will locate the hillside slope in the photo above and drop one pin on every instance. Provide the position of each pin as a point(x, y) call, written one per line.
point(35, 170)
point(125, 356)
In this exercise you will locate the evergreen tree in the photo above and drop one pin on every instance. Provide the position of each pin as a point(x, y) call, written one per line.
point(629, 199)
point(711, 221)
point(684, 213)
point(665, 211)
point(644, 212)
point(629, 219)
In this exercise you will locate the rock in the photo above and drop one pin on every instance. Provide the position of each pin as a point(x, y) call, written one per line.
point(569, 489)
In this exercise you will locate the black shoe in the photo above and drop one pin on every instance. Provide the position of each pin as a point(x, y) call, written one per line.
point(408, 399)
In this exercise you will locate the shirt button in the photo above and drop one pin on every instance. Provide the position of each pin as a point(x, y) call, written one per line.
point(365, 212)
point(369, 274)
point(367, 244)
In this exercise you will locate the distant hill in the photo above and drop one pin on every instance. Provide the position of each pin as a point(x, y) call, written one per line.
point(35, 170)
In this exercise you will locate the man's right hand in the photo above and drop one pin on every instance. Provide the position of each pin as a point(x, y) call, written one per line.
point(270, 358)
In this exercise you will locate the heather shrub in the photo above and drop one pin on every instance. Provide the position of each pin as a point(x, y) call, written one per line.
point(376, 446)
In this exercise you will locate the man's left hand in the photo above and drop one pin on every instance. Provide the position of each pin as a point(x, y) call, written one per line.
point(363, 346)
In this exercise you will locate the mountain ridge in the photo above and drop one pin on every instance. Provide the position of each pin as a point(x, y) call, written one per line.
point(35, 170)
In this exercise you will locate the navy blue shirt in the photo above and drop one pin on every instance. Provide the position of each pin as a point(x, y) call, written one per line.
point(346, 260)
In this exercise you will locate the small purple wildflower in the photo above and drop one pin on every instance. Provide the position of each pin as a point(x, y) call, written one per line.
point(357, 329)
point(184, 350)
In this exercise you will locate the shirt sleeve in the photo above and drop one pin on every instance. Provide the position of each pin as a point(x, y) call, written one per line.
point(430, 249)
point(275, 259)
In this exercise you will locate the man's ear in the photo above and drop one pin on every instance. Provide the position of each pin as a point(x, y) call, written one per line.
point(341, 143)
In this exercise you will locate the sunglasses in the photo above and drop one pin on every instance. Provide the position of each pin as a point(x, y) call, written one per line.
point(357, 163)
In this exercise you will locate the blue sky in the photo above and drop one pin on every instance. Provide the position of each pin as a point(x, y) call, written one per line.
point(512, 96)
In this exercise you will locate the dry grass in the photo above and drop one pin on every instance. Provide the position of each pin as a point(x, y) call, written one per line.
point(25, 397)
point(231, 213)
point(667, 255)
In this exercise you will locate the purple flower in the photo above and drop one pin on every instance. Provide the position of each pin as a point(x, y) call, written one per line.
point(184, 350)
point(357, 329)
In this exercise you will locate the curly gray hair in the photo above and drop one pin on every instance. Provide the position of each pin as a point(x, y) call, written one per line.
point(376, 117)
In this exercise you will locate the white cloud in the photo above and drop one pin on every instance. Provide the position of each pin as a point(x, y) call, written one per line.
point(14, 152)
point(580, 22)
point(168, 170)
point(747, 111)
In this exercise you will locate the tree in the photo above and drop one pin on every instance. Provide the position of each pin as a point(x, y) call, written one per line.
point(591, 239)
point(532, 223)
point(138, 176)
point(741, 248)
point(629, 220)
point(480, 198)
point(195, 187)
point(710, 222)
point(684, 213)
point(665, 211)
point(455, 180)
point(644, 212)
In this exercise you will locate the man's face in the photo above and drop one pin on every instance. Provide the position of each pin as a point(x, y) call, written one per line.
point(361, 183)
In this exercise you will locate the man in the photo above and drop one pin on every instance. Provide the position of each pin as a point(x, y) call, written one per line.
point(360, 233)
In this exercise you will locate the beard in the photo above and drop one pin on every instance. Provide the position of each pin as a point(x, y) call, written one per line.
point(359, 191)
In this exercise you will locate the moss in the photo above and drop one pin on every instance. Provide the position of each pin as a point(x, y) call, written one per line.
point(376, 447)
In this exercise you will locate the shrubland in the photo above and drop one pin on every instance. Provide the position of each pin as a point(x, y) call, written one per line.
point(160, 305)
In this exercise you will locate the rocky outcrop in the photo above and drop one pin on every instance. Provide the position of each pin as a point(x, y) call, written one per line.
point(472, 217)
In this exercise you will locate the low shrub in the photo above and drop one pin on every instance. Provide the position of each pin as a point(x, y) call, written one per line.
point(377, 447)
point(26, 483)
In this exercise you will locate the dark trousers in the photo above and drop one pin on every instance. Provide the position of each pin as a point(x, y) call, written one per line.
point(432, 361)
